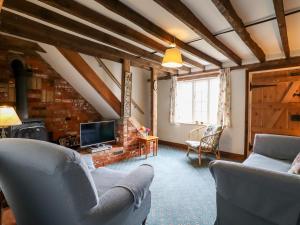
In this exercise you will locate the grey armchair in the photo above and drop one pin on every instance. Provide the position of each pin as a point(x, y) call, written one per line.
point(46, 184)
point(260, 190)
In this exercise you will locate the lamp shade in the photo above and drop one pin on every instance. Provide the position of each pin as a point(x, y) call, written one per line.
point(8, 116)
point(172, 58)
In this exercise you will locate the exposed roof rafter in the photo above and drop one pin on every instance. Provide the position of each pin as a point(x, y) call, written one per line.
point(21, 26)
point(131, 15)
point(17, 44)
point(98, 19)
point(280, 16)
point(227, 10)
point(92, 78)
point(1, 4)
point(62, 21)
point(185, 15)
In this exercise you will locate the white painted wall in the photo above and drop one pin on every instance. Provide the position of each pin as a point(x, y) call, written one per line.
point(141, 95)
point(232, 139)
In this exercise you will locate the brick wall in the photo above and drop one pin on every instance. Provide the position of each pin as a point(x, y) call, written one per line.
point(50, 98)
point(127, 146)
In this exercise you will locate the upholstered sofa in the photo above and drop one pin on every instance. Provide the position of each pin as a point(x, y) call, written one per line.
point(47, 184)
point(259, 191)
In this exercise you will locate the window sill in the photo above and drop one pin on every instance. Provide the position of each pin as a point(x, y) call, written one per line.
point(191, 123)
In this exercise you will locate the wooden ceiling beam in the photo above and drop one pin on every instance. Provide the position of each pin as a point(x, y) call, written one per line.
point(267, 65)
point(272, 64)
point(227, 10)
point(18, 44)
point(280, 17)
point(44, 14)
point(92, 78)
point(21, 26)
point(17, 51)
point(98, 19)
point(185, 15)
point(131, 15)
point(1, 4)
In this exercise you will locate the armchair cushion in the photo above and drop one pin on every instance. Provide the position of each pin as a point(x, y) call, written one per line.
point(193, 144)
point(296, 165)
point(196, 144)
point(264, 162)
point(212, 129)
point(105, 179)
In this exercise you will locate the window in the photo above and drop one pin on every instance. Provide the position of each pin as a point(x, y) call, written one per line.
point(197, 101)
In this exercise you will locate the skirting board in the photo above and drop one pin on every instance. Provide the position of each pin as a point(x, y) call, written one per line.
point(227, 155)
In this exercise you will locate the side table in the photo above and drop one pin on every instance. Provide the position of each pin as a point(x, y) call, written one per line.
point(146, 142)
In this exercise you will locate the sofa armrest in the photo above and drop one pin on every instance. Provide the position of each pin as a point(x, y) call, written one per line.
point(277, 146)
point(271, 195)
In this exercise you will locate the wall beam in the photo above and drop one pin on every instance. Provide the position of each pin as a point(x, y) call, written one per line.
point(153, 93)
point(126, 89)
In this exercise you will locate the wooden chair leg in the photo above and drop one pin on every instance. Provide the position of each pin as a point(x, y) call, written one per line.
point(218, 155)
point(188, 151)
point(199, 157)
point(144, 222)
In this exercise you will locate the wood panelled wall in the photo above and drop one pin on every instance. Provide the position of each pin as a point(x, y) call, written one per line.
point(50, 97)
point(275, 103)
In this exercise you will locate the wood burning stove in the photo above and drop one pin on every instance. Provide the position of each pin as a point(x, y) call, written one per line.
point(30, 128)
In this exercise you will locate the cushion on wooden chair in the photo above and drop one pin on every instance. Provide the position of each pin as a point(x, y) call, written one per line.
point(193, 144)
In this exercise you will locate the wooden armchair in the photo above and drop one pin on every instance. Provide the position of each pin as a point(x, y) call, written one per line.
point(204, 139)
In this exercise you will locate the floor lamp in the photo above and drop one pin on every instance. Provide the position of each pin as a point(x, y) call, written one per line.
point(8, 117)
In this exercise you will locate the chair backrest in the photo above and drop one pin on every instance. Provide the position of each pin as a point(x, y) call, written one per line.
point(44, 183)
point(216, 131)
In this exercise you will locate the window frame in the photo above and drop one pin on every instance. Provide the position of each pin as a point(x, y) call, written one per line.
point(194, 122)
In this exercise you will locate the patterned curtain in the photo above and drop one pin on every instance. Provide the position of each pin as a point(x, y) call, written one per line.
point(173, 95)
point(224, 105)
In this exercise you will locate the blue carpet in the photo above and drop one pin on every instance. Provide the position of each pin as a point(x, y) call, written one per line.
point(182, 192)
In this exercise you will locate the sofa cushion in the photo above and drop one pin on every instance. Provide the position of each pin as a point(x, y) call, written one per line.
point(296, 165)
point(105, 179)
point(264, 162)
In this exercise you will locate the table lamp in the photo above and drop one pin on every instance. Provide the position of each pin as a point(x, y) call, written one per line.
point(8, 117)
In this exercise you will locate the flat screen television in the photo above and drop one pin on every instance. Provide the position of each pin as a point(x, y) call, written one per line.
point(97, 133)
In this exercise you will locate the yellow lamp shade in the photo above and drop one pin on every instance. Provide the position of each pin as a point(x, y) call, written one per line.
point(8, 116)
point(172, 58)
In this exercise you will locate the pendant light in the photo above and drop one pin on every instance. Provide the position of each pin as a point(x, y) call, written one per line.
point(172, 57)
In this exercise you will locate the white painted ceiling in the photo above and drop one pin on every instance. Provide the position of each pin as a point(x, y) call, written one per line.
point(265, 34)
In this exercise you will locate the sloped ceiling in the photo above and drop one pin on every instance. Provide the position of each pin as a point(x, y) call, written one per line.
point(71, 75)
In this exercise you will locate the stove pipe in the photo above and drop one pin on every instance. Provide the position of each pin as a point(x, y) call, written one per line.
point(21, 88)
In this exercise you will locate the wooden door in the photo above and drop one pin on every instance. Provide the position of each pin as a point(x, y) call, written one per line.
point(274, 106)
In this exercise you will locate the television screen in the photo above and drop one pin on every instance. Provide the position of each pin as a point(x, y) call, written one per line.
point(96, 133)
